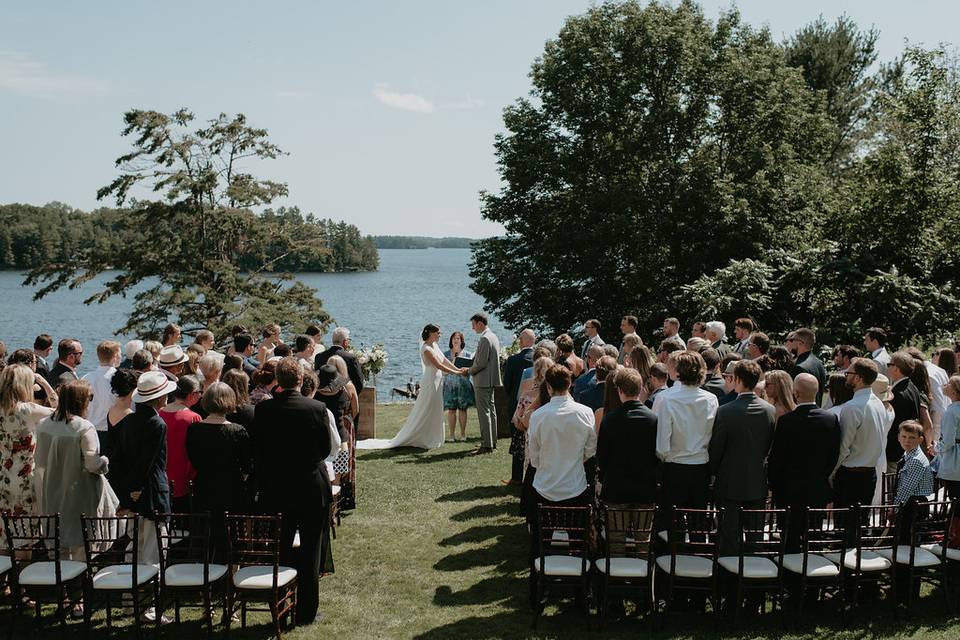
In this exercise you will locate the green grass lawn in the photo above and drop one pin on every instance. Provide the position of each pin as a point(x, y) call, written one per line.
point(436, 550)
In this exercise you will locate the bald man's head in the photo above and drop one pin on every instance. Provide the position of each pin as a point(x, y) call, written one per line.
point(805, 388)
point(527, 338)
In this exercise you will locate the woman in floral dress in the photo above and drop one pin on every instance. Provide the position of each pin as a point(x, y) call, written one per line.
point(458, 393)
point(19, 417)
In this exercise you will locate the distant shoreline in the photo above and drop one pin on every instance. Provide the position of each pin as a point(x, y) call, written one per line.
point(421, 242)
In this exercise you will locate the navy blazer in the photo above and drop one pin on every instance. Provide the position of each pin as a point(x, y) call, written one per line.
point(511, 376)
point(138, 461)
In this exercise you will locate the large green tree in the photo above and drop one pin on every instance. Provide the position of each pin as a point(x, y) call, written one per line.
point(655, 147)
point(187, 195)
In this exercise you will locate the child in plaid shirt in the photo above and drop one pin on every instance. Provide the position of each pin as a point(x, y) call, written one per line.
point(914, 479)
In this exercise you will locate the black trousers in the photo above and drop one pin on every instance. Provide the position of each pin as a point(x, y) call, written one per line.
point(685, 486)
point(853, 487)
point(314, 527)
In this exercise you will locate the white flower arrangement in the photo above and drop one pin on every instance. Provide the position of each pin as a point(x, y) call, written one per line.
point(372, 361)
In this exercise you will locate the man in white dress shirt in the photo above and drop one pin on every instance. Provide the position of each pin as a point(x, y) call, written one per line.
point(108, 355)
point(863, 423)
point(938, 401)
point(875, 341)
point(685, 417)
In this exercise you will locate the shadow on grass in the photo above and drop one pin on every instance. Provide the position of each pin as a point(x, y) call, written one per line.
point(486, 510)
point(474, 493)
point(411, 455)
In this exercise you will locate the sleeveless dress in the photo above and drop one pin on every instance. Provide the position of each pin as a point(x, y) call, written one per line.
point(424, 425)
point(458, 391)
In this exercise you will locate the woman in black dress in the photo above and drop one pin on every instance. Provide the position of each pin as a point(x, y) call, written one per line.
point(239, 381)
point(221, 455)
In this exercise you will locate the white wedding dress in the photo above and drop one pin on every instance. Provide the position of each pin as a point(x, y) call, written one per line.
point(424, 425)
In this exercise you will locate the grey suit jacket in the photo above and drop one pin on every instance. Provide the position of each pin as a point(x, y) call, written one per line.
point(486, 361)
point(742, 434)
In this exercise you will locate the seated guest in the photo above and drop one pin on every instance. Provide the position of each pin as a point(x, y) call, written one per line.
point(627, 448)
point(567, 357)
point(589, 377)
point(560, 439)
point(949, 470)
point(108, 355)
point(837, 392)
point(738, 450)
point(69, 468)
point(171, 361)
point(659, 377)
point(178, 417)
point(805, 447)
point(779, 391)
point(69, 356)
point(593, 397)
point(220, 452)
point(685, 417)
point(714, 381)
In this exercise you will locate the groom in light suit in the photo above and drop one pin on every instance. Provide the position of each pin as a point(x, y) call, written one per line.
point(486, 377)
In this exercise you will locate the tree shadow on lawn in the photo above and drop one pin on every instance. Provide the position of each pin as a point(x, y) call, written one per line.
point(475, 493)
point(487, 510)
point(412, 455)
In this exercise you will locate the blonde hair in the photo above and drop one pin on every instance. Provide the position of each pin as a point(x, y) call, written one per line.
point(540, 368)
point(16, 386)
point(954, 383)
point(154, 348)
point(209, 367)
point(219, 398)
point(74, 400)
point(108, 350)
point(779, 389)
point(340, 364)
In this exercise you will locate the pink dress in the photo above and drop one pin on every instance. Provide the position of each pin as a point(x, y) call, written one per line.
point(179, 469)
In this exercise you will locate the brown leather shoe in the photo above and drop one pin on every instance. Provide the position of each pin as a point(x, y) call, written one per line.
point(481, 450)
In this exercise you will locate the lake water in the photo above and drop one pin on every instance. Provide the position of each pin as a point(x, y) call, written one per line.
point(390, 306)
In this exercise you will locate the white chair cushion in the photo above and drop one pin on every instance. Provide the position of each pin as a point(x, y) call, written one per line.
point(624, 567)
point(5, 564)
point(45, 573)
point(936, 549)
point(921, 557)
point(753, 566)
point(688, 566)
point(296, 540)
point(120, 576)
point(191, 575)
point(561, 565)
point(261, 577)
point(871, 561)
point(817, 565)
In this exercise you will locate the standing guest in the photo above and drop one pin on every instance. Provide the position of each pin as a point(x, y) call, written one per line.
point(42, 346)
point(142, 362)
point(316, 333)
point(936, 378)
point(671, 332)
point(779, 390)
point(666, 348)
point(641, 359)
point(567, 357)
point(171, 335)
point(589, 378)
point(485, 373)
point(949, 468)
point(237, 380)
point(303, 350)
point(699, 330)
point(340, 346)
point(659, 376)
point(779, 358)
point(946, 359)
point(806, 444)
point(345, 461)
point(842, 355)
point(122, 385)
point(627, 448)
point(758, 345)
point(69, 468)
point(243, 346)
point(714, 381)
point(129, 349)
point(594, 396)
point(194, 353)
point(102, 398)
point(560, 439)
point(611, 399)
point(697, 345)
point(906, 402)
point(839, 392)
point(458, 393)
point(631, 342)
point(69, 357)
point(332, 392)
point(727, 365)
point(742, 328)
point(804, 340)
point(178, 416)
point(591, 328)
point(739, 444)
point(685, 417)
point(209, 368)
point(716, 335)
point(921, 381)
point(171, 361)
point(291, 441)
point(914, 482)
point(220, 452)
point(863, 424)
point(234, 362)
point(139, 463)
point(264, 382)
point(205, 339)
point(154, 348)
point(628, 325)
point(351, 390)
point(19, 417)
point(269, 341)
point(875, 341)
point(533, 395)
point(512, 372)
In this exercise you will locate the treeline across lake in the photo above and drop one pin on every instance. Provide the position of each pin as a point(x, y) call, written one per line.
point(33, 236)
point(421, 242)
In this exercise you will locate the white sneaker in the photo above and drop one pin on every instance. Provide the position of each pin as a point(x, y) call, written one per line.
point(150, 615)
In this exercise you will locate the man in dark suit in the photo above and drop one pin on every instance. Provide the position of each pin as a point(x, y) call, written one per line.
point(511, 382)
point(42, 346)
point(659, 376)
point(805, 449)
point(906, 403)
point(341, 347)
point(802, 341)
point(739, 445)
point(138, 458)
point(716, 333)
point(69, 356)
point(627, 447)
point(291, 440)
point(593, 397)
point(588, 379)
point(714, 382)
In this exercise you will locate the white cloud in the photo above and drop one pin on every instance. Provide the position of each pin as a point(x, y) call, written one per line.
point(21, 74)
point(404, 101)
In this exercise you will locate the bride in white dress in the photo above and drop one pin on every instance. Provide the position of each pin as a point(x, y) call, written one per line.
point(424, 425)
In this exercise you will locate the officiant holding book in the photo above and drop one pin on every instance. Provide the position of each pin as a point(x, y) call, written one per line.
point(485, 371)
point(458, 393)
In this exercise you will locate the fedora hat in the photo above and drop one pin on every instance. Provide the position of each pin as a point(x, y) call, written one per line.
point(330, 379)
point(172, 356)
point(152, 385)
point(881, 388)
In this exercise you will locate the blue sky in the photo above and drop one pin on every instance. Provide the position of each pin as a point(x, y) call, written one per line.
point(388, 109)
